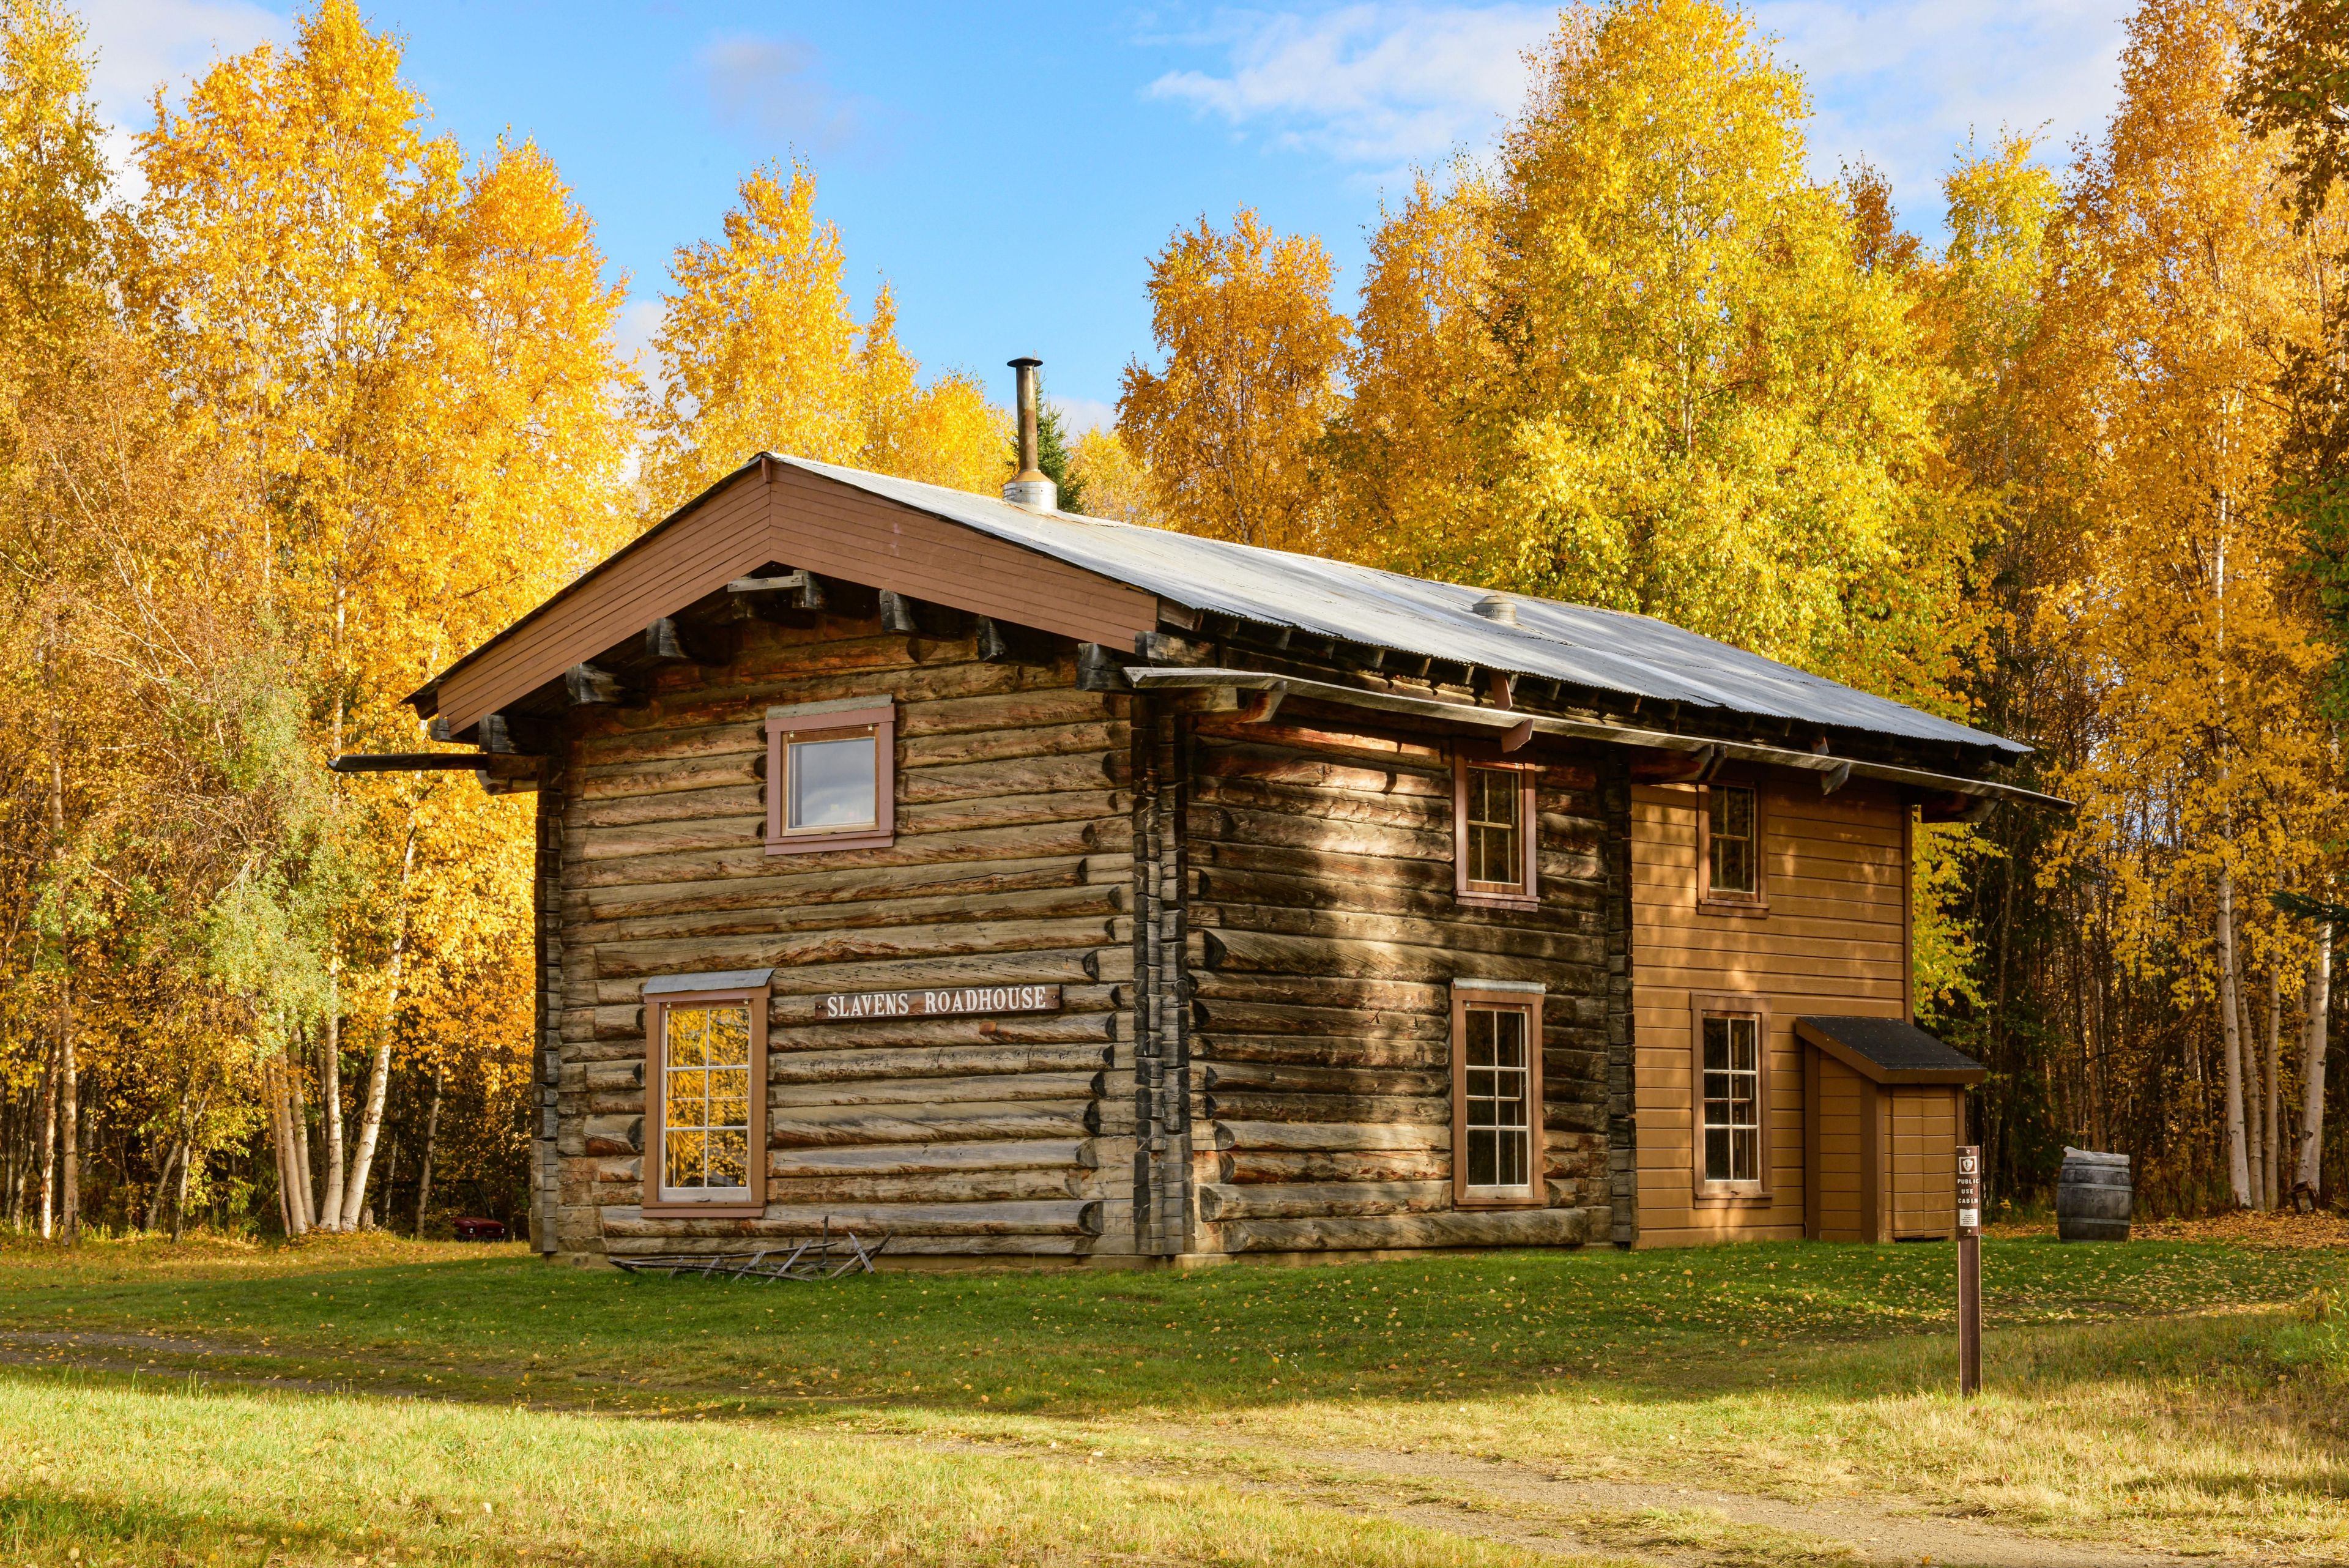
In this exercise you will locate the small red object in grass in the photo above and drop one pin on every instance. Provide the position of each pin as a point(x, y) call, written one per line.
point(481, 1229)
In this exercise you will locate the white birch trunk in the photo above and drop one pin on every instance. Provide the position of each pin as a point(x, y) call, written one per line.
point(330, 1100)
point(2313, 1045)
point(2271, 1119)
point(2239, 1163)
point(380, 1068)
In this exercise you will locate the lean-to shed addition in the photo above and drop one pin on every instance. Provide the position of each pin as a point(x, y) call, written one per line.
point(1025, 884)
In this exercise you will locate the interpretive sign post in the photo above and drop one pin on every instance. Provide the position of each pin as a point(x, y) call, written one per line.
point(1970, 1193)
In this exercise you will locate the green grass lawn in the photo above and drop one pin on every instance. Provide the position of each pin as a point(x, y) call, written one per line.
point(2162, 1393)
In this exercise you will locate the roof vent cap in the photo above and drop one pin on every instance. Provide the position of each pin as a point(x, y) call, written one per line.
point(1030, 487)
point(1499, 608)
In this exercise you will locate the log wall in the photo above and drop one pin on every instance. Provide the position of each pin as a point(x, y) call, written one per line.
point(1835, 940)
point(1324, 934)
point(1012, 863)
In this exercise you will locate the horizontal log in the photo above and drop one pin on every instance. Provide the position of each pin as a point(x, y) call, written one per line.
point(1073, 1216)
point(931, 1187)
point(1012, 776)
point(1219, 823)
point(947, 939)
point(1042, 903)
point(1050, 739)
point(1551, 936)
point(1313, 1199)
point(1320, 1051)
point(1224, 1078)
point(1385, 1165)
point(643, 876)
point(663, 775)
point(849, 886)
point(1320, 869)
point(1215, 886)
point(616, 1135)
point(1367, 1020)
point(917, 1158)
point(1263, 953)
point(1339, 741)
point(1300, 770)
point(932, 1062)
point(806, 1127)
point(1311, 814)
point(1301, 1108)
point(1332, 1137)
point(789, 1098)
point(1072, 1246)
point(728, 803)
point(1064, 967)
point(1471, 1228)
point(1308, 990)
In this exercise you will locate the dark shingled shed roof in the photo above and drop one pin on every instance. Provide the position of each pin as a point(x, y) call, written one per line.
point(1890, 1051)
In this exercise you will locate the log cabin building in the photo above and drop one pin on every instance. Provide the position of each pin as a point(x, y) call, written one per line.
point(1031, 886)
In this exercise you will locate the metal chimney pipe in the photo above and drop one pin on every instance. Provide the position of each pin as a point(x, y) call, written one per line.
point(1030, 487)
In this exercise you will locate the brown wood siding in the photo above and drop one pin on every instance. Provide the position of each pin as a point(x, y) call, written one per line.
point(1325, 929)
point(1924, 1160)
point(1833, 941)
point(802, 521)
point(1011, 864)
point(1839, 1138)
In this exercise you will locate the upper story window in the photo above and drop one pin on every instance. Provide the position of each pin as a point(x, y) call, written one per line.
point(830, 776)
point(1729, 848)
point(1494, 833)
point(705, 1092)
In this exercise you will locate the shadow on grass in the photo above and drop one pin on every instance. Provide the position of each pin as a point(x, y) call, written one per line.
point(1857, 1320)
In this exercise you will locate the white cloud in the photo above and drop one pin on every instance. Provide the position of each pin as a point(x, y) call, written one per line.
point(1906, 82)
point(1380, 84)
point(1901, 81)
point(773, 88)
point(1078, 415)
point(142, 45)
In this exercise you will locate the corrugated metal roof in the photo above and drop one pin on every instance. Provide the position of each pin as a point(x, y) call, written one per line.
point(1607, 651)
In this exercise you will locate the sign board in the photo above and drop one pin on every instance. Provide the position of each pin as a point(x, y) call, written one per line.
point(957, 1002)
point(1969, 1187)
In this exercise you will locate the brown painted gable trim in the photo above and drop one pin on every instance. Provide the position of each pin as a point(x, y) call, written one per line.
point(840, 531)
point(775, 512)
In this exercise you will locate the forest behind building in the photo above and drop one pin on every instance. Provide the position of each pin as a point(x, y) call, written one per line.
point(305, 400)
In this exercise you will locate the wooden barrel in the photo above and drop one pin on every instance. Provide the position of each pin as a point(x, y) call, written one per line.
point(2092, 1197)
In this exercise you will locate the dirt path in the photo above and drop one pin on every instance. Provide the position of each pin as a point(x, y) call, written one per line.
point(1871, 1534)
point(1490, 1500)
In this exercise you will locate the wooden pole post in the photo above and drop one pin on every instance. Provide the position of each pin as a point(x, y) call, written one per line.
point(1969, 1270)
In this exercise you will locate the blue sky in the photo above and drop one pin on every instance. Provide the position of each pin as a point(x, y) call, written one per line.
point(1011, 168)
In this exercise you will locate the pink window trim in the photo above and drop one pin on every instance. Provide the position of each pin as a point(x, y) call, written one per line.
point(882, 720)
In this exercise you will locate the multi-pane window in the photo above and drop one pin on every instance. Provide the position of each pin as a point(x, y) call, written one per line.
point(1495, 849)
point(706, 1071)
point(1731, 847)
point(1496, 1098)
point(830, 776)
point(1494, 843)
point(1731, 1048)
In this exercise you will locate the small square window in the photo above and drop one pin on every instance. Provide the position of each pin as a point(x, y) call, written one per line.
point(1493, 840)
point(831, 776)
point(829, 783)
